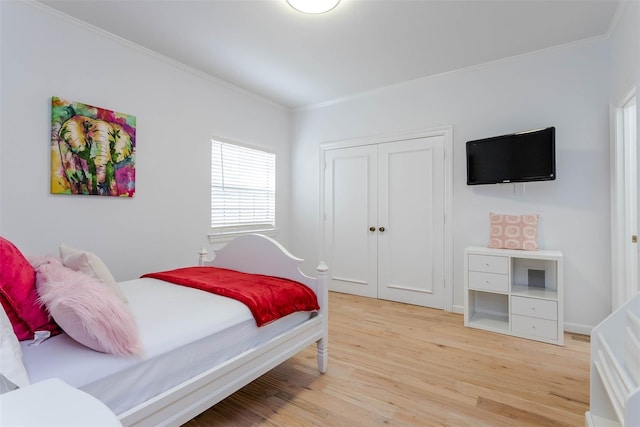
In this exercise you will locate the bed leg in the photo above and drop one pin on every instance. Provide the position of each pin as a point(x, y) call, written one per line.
point(323, 355)
point(323, 299)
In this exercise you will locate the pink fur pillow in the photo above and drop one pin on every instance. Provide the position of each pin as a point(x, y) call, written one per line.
point(514, 231)
point(87, 311)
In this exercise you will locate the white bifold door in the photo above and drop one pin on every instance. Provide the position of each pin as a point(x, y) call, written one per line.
point(384, 220)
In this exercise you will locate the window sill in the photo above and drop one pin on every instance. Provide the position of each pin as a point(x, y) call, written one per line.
point(230, 235)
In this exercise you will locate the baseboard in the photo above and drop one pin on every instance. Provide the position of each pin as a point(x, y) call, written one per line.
point(458, 309)
point(577, 328)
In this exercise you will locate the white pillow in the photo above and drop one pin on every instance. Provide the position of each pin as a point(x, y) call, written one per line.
point(92, 265)
point(12, 369)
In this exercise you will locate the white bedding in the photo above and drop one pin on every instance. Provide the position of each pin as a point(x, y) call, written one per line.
point(184, 331)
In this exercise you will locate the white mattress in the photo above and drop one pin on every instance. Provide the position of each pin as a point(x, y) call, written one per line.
point(184, 331)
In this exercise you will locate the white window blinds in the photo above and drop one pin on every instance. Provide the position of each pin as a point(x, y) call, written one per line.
point(243, 188)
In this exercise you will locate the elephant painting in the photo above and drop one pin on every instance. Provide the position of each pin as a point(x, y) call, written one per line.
point(95, 151)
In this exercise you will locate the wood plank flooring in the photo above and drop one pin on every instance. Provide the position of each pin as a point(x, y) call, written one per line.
point(403, 365)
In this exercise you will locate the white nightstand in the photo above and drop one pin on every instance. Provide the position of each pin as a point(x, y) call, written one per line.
point(53, 403)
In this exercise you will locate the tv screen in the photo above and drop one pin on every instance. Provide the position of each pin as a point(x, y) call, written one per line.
point(517, 157)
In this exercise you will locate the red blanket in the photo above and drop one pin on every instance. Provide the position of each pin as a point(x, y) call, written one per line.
point(268, 298)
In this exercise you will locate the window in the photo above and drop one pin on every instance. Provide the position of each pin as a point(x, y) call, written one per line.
point(243, 189)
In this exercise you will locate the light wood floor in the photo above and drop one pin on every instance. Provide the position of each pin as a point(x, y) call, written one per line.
point(403, 365)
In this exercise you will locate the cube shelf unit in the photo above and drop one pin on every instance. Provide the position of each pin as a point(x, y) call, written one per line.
point(515, 292)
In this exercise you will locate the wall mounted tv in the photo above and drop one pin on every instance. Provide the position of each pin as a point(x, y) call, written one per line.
point(517, 157)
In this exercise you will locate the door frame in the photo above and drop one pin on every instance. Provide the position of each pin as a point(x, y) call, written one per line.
point(447, 133)
point(620, 256)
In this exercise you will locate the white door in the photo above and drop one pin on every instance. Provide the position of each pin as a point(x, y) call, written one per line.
point(411, 210)
point(384, 220)
point(351, 203)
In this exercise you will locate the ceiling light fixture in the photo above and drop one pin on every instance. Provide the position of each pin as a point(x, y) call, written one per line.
point(313, 6)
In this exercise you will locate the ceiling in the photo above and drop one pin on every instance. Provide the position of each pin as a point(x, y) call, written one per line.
point(298, 60)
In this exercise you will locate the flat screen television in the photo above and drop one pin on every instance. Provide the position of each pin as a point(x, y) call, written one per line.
point(517, 157)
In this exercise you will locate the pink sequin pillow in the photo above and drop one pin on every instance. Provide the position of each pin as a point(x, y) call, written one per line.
point(18, 294)
point(514, 231)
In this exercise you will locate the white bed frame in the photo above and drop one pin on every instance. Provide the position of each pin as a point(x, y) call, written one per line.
point(255, 254)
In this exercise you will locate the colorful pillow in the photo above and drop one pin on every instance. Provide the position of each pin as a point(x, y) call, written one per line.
point(11, 368)
point(514, 231)
point(18, 294)
point(87, 310)
point(92, 265)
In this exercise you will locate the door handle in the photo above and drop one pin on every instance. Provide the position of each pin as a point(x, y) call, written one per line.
point(381, 229)
point(372, 229)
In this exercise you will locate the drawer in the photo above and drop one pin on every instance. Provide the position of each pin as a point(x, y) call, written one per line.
point(489, 263)
point(533, 326)
point(488, 281)
point(540, 308)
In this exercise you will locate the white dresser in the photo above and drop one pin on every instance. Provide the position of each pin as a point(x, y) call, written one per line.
point(515, 292)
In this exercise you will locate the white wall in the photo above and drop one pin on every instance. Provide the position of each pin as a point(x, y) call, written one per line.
point(567, 87)
point(164, 225)
point(625, 52)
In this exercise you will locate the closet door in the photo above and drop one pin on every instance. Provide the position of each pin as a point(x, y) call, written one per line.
point(411, 212)
point(351, 201)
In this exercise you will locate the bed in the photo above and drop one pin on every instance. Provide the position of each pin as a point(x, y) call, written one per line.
point(198, 347)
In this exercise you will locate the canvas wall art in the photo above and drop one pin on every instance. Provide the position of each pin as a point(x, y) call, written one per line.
point(93, 150)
